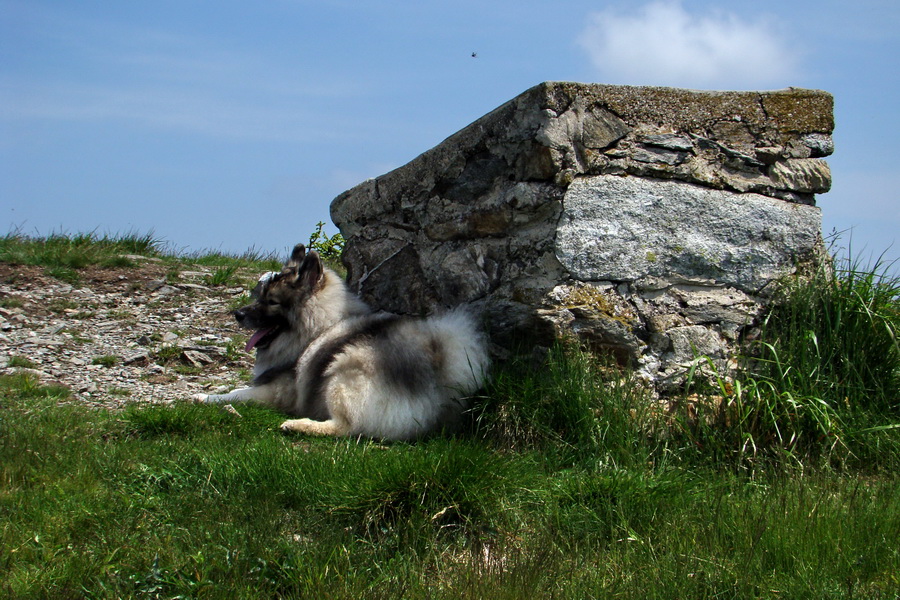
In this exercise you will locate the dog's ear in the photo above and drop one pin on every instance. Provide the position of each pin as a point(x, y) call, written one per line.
point(297, 256)
point(310, 271)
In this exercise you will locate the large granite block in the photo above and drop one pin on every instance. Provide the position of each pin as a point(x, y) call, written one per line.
point(646, 221)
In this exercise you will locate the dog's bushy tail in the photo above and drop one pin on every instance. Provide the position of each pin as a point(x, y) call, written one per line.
point(464, 358)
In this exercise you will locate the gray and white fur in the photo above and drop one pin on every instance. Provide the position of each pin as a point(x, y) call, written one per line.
point(324, 357)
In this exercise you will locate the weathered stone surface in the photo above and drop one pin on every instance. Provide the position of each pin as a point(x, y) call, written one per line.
point(628, 229)
point(647, 221)
point(806, 176)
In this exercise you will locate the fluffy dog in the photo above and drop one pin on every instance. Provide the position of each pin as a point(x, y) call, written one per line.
point(323, 356)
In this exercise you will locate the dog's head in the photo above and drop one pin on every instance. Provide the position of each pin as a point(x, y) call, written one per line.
point(278, 298)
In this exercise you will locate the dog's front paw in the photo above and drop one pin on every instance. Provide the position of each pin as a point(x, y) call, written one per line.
point(290, 426)
point(298, 426)
point(200, 398)
point(308, 426)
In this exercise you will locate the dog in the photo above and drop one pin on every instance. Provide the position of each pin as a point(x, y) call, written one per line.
point(325, 357)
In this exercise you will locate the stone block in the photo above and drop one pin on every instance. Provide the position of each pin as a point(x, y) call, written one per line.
point(645, 221)
point(629, 229)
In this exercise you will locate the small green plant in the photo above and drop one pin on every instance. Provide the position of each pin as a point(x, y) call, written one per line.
point(27, 386)
point(12, 302)
point(61, 305)
point(21, 362)
point(458, 490)
point(224, 275)
point(173, 274)
point(250, 259)
point(573, 406)
point(328, 247)
point(234, 350)
point(118, 261)
point(107, 360)
point(122, 315)
point(65, 274)
point(167, 353)
point(750, 419)
point(239, 301)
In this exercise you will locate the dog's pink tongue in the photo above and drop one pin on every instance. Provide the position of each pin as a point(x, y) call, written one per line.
point(254, 339)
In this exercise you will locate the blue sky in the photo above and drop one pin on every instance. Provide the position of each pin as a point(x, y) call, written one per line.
point(232, 125)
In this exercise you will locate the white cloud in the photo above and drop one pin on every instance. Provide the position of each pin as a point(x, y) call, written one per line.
point(661, 43)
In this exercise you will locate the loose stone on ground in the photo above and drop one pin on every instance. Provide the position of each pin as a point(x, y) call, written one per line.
point(121, 335)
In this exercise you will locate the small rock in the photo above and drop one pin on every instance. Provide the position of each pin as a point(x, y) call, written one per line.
point(33, 372)
point(670, 141)
point(138, 257)
point(206, 349)
point(194, 286)
point(140, 358)
point(167, 290)
point(197, 359)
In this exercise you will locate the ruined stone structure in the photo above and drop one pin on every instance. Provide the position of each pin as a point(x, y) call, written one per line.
point(651, 222)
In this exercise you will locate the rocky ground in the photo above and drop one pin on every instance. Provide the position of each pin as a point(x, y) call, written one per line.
point(151, 333)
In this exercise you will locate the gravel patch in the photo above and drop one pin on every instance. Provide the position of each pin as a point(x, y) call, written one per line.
point(123, 335)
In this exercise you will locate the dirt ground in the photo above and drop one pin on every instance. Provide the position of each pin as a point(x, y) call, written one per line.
point(123, 334)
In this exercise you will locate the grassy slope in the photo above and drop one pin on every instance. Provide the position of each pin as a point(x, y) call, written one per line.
point(195, 501)
point(567, 484)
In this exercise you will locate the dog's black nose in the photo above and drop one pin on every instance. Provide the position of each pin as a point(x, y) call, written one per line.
point(240, 314)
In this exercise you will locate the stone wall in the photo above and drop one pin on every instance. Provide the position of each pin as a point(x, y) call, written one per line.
point(650, 222)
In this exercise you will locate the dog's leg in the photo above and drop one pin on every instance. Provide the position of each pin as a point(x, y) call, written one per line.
point(262, 393)
point(330, 427)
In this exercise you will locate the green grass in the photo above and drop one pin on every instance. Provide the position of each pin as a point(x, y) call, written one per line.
point(71, 252)
point(107, 360)
point(21, 361)
point(830, 349)
point(572, 409)
point(837, 336)
point(12, 302)
point(249, 259)
point(224, 275)
point(63, 255)
point(820, 385)
point(570, 481)
point(188, 500)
